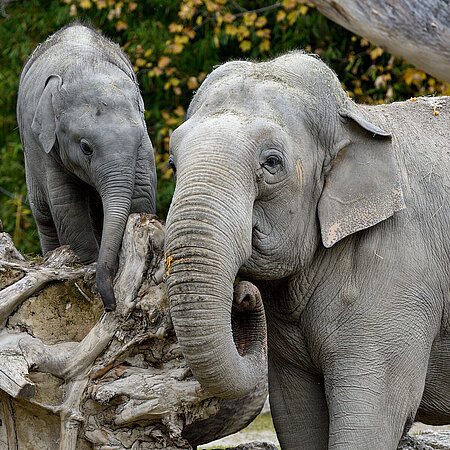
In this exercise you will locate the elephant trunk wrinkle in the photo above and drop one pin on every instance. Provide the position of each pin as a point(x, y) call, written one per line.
point(200, 290)
point(116, 197)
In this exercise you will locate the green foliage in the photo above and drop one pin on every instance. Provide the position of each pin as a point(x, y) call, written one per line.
point(173, 45)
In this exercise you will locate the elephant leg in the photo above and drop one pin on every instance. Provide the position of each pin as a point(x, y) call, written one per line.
point(96, 214)
point(298, 406)
point(143, 199)
point(48, 235)
point(70, 210)
point(371, 401)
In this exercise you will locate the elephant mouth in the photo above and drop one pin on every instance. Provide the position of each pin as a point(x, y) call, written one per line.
point(247, 318)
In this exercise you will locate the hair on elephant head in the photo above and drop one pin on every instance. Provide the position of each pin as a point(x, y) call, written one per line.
point(88, 156)
point(279, 175)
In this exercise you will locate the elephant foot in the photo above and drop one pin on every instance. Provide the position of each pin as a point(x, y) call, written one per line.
point(247, 318)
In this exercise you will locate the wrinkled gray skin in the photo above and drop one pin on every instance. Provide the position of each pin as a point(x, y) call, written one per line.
point(86, 145)
point(339, 214)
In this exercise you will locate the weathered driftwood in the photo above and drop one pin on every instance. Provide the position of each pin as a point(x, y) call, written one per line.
point(415, 30)
point(74, 377)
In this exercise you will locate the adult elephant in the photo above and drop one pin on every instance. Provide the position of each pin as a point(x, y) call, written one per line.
point(88, 158)
point(339, 214)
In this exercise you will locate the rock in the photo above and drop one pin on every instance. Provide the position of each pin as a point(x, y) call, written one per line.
point(427, 440)
point(255, 445)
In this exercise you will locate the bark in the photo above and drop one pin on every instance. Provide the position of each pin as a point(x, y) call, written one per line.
point(75, 377)
point(415, 30)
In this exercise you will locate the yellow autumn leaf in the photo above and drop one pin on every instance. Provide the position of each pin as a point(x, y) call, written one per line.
point(288, 4)
point(192, 83)
point(176, 48)
point(167, 175)
point(281, 15)
point(243, 32)
point(101, 4)
point(292, 17)
point(411, 75)
point(148, 52)
point(164, 61)
point(245, 45)
point(303, 9)
point(175, 28)
point(85, 4)
point(228, 17)
point(132, 6)
point(189, 33)
point(231, 30)
point(260, 22)
point(181, 39)
point(211, 6)
point(264, 46)
point(375, 53)
point(121, 25)
point(140, 62)
point(179, 111)
point(249, 19)
point(264, 33)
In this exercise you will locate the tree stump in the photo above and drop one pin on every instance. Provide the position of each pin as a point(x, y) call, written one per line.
point(74, 377)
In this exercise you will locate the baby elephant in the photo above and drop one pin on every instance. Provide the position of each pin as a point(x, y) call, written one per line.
point(88, 158)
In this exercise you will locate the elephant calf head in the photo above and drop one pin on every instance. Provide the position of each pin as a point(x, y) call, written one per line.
point(88, 155)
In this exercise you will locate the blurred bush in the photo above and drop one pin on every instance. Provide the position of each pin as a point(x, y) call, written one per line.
point(173, 45)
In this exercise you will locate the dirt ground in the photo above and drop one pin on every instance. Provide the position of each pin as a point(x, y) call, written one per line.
point(261, 429)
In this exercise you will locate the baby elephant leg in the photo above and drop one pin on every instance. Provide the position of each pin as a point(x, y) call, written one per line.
point(48, 235)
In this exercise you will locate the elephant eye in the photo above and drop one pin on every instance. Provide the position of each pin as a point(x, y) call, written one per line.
point(85, 147)
point(272, 162)
point(172, 164)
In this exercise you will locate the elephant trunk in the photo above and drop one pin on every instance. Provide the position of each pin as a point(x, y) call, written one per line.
point(116, 193)
point(221, 330)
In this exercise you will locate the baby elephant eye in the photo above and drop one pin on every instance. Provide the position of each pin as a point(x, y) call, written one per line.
point(85, 147)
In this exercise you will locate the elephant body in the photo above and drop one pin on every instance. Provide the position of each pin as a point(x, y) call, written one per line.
point(339, 215)
point(88, 158)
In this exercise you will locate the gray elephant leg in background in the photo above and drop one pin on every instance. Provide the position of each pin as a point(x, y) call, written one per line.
point(143, 199)
point(96, 214)
point(74, 225)
point(298, 406)
point(48, 236)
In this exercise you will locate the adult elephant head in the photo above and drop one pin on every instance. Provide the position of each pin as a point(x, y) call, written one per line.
point(263, 168)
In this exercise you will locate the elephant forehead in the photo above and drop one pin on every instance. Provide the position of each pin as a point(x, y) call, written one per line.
point(100, 89)
point(249, 97)
point(229, 129)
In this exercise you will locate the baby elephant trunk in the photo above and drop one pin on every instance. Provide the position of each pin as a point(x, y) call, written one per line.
point(116, 197)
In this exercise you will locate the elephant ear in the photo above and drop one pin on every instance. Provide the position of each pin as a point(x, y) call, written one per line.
point(362, 186)
point(44, 122)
